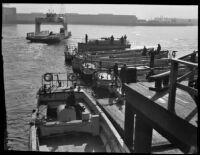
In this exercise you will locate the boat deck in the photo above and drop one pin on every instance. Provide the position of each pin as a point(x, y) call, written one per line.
point(184, 106)
point(76, 142)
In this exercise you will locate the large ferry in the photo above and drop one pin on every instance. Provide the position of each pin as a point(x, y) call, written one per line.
point(46, 36)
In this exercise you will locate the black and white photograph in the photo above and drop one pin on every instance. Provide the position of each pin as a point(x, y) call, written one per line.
point(111, 78)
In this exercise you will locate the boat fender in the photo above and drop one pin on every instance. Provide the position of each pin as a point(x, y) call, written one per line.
point(48, 77)
point(72, 77)
point(174, 54)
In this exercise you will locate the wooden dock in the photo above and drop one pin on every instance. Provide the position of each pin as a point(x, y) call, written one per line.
point(158, 120)
point(184, 106)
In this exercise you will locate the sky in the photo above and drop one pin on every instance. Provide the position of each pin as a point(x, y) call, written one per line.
point(141, 11)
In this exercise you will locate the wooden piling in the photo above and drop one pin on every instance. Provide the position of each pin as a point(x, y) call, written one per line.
point(152, 55)
point(4, 107)
point(172, 88)
point(192, 59)
point(143, 136)
point(129, 125)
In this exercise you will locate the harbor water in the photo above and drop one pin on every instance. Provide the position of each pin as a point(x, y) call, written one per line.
point(25, 62)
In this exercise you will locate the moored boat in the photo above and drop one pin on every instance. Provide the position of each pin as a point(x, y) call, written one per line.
point(103, 44)
point(57, 125)
point(87, 71)
point(46, 37)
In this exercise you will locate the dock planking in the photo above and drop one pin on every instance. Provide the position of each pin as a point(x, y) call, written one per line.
point(183, 107)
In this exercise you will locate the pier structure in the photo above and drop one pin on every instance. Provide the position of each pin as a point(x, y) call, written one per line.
point(163, 119)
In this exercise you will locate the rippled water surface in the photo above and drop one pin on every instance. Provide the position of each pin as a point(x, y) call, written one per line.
point(24, 63)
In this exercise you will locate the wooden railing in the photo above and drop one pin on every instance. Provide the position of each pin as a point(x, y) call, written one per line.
point(142, 114)
point(175, 81)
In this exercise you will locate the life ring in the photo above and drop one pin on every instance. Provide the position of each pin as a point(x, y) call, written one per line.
point(174, 54)
point(48, 77)
point(72, 77)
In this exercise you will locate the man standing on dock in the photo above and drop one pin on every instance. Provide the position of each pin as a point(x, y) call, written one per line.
point(86, 38)
point(144, 52)
point(122, 40)
point(158, 49)
point(116, 73)
point(125, 39)
point(123, 74)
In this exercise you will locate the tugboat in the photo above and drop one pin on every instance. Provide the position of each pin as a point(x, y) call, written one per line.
point(68, 119)
point(46, 36)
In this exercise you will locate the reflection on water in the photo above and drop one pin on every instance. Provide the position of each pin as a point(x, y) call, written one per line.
point(24, 63)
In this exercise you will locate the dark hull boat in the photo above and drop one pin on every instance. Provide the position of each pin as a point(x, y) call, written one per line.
point(103, 44)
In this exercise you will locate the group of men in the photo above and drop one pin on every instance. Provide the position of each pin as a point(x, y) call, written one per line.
point(144, 52)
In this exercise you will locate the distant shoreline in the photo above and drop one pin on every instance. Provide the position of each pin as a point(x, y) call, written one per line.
point(136, 24)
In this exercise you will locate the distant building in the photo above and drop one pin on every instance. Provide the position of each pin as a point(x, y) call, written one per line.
point(9, 15)
point(75, 18)
point(176, 20)
point(101, 19)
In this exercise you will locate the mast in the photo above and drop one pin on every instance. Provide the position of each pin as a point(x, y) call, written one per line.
point(64, 16)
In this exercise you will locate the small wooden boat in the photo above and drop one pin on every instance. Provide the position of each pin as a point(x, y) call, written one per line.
point(59, 126)
point(103, 44)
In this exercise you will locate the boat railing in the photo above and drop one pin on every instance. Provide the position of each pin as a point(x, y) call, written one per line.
point(105, 41)
point(56, 80)
point(30, 34)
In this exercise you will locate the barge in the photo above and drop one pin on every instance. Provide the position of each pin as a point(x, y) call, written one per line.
point(103, 44)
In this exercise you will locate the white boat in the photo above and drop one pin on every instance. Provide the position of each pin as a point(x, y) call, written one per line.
point(59, 126)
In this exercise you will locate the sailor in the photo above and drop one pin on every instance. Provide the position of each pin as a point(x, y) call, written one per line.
point(51, 33)
point(112, 39)
point(71, 101)
point(158, 49)
point(125, 37)
point(123, 74)
point(86, 38)
point(122, 40)
point(71, 98)
point(111, 94)
point(116, 73)
point(144, 52)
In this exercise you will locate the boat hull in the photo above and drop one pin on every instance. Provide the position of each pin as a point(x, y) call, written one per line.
point(92, 47)
point(47, 39)
point(45, 136)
